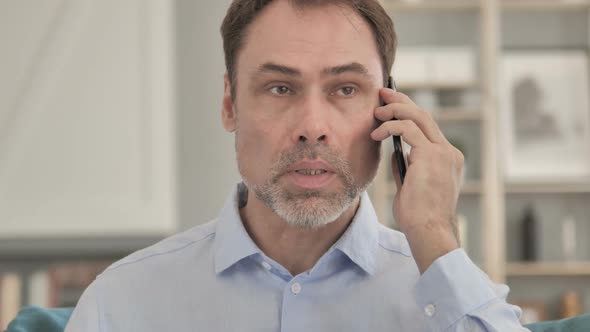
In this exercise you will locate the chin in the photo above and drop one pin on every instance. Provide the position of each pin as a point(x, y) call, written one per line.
point(311, 209)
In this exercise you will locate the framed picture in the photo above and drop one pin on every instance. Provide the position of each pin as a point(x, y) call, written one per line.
point(545, 115)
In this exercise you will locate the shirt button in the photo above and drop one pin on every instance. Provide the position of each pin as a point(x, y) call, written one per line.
point(430, 310)
point(296, 288)
point(266, 266)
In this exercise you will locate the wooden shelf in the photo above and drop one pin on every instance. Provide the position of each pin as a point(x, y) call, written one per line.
point(469, 187)
point(545, 5)
point(429, 5)
point(475, 187)
point(438, 86)
point(87, 246)
point(547, 188)
point(567, 269)
point(456, 114)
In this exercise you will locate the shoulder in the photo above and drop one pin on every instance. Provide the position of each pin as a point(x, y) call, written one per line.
point(196, 238)
point(393, 241)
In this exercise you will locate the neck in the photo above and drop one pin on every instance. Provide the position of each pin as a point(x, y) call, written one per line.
point(295, 248)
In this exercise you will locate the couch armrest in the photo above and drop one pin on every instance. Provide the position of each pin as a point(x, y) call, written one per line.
point(37, 319)
point(575, 324)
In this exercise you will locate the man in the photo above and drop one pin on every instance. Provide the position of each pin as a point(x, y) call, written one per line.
point(297, 246)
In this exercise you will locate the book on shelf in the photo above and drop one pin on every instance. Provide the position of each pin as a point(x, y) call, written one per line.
point(10, 298)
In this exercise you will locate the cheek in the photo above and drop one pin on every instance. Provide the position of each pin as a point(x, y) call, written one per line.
point(251, 139)
point(254, 145)
point(364, 151)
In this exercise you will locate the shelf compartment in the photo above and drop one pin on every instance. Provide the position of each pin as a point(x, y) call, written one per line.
point(429, 5)
point(557, 269)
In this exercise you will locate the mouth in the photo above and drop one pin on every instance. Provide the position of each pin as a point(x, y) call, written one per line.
point(311, 171)
point(309, 178)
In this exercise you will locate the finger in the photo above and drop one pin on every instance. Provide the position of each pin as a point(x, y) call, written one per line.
point(407, 156)
point(390, 96)
point(405, 128)
point(385, 112)
point(422, 118)
point(395, 170)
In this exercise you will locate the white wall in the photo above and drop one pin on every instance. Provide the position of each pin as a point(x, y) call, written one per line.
point(86, 109)
point(207, 167)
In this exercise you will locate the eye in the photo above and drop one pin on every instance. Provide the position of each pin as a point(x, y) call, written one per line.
point(346, 91)
point(280, 90)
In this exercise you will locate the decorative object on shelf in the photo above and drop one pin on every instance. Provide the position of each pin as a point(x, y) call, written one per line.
point(529, 234)
point(568, 238)
point(38, 284)
point(571, 305)
point(10, 297)
point(544, 111)
point(532, 311)
point(450, 98)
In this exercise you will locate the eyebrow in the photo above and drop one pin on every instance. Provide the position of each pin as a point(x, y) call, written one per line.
point(353, 67)
point(270, 67)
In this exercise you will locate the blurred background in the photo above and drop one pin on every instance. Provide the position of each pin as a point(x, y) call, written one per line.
point(111, 139)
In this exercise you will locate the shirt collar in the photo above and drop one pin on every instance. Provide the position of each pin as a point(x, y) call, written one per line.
point(232, 242)
point(359, 242)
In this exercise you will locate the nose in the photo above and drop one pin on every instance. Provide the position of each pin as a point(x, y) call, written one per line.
point(311, 122)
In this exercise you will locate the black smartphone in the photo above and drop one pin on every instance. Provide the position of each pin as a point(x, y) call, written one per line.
point(397, 144)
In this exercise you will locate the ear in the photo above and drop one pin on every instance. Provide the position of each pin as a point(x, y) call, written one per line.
point(228, 114)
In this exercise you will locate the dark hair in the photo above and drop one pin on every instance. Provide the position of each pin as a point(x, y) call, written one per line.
point(241, 13)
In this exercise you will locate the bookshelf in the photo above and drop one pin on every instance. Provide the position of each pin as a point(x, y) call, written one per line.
point(490, 202)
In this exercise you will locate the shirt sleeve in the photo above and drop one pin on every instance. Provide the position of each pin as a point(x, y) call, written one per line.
point(455, 295)
point(85, 316)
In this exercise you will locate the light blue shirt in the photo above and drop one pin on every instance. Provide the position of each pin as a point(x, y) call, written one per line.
point(213, 277)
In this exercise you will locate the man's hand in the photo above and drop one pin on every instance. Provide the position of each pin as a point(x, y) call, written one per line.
point(424, 207)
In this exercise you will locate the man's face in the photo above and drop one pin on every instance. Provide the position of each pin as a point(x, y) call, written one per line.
point(307, 86)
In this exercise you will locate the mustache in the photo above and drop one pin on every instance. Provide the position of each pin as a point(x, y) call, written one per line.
point(311, 152)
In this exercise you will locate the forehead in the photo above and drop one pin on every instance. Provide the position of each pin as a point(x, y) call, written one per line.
point(310, 38)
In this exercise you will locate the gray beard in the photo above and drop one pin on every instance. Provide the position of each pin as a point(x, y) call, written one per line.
point(309, 209)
